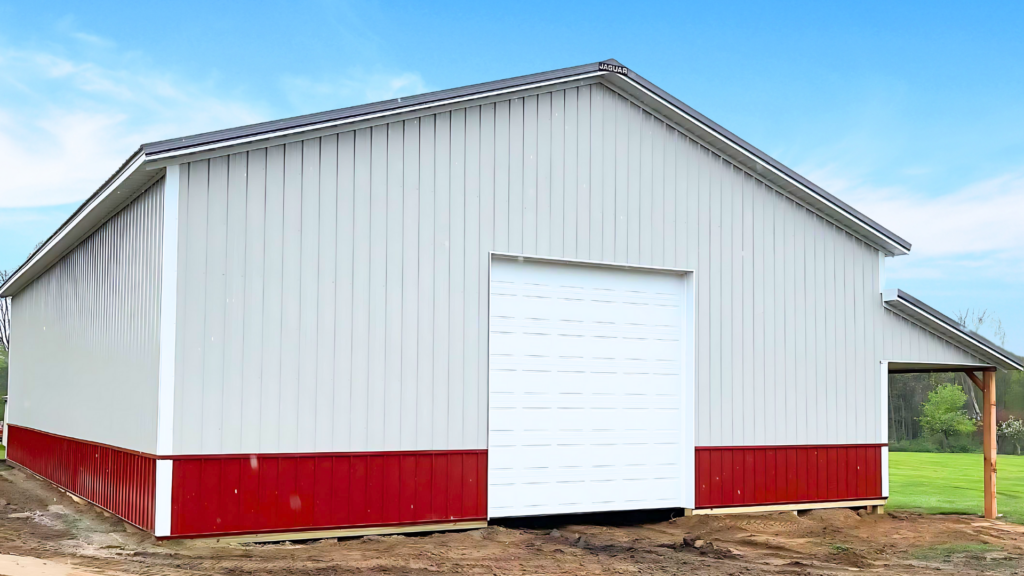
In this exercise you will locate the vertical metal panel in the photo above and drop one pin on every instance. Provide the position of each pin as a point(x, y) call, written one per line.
point(210, 395)
point(901, 335)
point(234, 303)
point(309, 293)
point(270, 353)
point(620, 151)
point(583, 160)
point(658, 129)
point(515, 173)
point(327, 277)
point(557, 176)
point(529, 182)
point(570, 194)
point(442, 244)
point(755, 475)
point(501, 176)
point(597, 171)
point(748, 395)
point(292, 322)
point(474, 264)
point(544, 160)
point(392, 423)
point(85, 351)
point(457, 269)
point(609, 178)
point(646, 177)
point(376, 385)
point(425, 290)
point(410, 282)
point(120, 481)
point(361, 265)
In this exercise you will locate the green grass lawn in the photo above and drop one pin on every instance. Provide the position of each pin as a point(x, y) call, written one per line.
point(952, 484)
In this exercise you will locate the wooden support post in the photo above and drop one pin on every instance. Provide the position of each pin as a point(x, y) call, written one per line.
point(977, 381)
point(989, 435)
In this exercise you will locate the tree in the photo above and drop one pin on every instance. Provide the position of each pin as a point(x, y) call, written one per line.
point(974, 320)
point(3, 376)
point(1013, 430)
point(5, 316)
point(944, 413)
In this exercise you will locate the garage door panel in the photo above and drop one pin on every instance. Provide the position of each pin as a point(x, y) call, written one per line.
point(585, 389)
point(514, 341)
point(583, 496)
point(538, 386)
point(552, 347)
point(553, 312)
point(659, 474)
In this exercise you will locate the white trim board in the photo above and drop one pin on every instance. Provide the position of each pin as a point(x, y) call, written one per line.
point(162, 508)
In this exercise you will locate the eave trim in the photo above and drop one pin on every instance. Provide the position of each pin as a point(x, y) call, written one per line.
point(898, 300)
point(11, 286)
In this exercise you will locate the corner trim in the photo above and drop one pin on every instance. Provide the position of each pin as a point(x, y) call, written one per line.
point(162, 505)
point(168, 314)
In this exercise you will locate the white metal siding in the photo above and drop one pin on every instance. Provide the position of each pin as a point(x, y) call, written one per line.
point(85, 339)
point(909, 342)
point(359, 260)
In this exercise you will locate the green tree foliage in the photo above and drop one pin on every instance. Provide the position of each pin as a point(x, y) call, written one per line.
point(1013, 430)
point(3, 375)
point(943, 413)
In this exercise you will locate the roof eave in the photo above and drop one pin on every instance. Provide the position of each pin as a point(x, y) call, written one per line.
point(731, 145)
point(921, 313)
point(767, 167)
point(116, 191)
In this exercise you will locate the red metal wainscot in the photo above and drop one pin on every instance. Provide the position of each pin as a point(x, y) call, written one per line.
point(119, 480)
point(762, 475)
point(243, 494)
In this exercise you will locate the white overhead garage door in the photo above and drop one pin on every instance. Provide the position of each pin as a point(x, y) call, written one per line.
point(586, 390)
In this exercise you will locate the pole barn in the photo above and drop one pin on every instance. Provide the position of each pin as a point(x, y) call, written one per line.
point(558, 293)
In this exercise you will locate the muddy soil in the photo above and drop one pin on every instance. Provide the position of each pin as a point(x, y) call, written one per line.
point(37, 521)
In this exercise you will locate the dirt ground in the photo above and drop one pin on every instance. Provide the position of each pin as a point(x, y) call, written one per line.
point(43, 531)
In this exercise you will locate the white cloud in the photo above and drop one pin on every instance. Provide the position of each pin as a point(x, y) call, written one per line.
point(981, 217)
point(66, 125)
point(92, 39)
point(355, 87)
point(977, 227)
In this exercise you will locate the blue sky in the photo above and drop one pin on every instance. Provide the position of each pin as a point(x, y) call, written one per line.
point(911, 112)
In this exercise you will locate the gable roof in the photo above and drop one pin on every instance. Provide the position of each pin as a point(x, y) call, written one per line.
point(920, 313)
point(126, 182)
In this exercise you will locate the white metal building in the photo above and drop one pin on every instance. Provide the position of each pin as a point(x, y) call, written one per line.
point(562, 292)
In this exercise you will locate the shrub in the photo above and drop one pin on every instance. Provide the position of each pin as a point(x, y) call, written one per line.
point(944, 413)
point(1013, 430)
